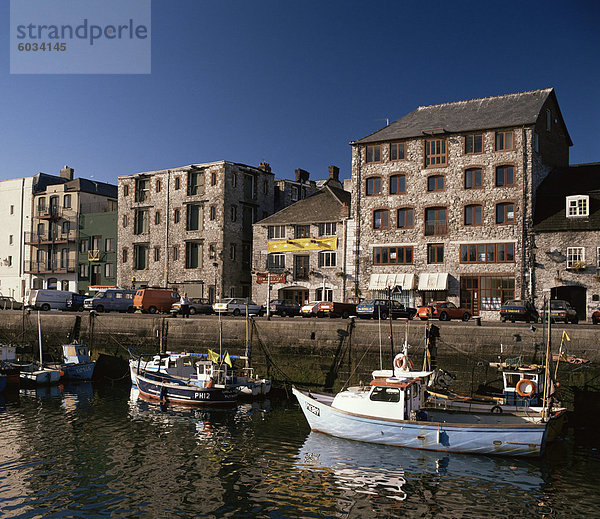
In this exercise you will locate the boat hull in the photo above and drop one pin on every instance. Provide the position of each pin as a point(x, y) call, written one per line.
point(41, 377)
point(81, 371)
point(518, 439)
point(170, 391)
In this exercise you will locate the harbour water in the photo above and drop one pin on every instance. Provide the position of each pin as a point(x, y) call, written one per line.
point(91, 450)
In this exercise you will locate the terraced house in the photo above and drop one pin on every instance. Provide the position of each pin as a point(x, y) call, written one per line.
point(444, 199)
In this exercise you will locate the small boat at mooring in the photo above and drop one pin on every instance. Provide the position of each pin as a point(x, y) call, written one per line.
point(76, 362)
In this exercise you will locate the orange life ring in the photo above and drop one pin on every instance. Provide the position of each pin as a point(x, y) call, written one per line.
point(525, 387)
point(402, 362)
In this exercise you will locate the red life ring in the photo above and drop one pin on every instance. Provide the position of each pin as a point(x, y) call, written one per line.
point(401, 362)
point(525, 387)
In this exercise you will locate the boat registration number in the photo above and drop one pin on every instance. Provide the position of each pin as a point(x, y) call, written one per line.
point(313, 409)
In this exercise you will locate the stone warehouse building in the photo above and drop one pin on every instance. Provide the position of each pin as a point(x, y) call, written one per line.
point(567, 238)
point(305, 249)
point(52, 244)
point(191, 227)
point(444, 198)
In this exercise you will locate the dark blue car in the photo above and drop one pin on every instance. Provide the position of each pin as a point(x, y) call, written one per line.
point(380, 308)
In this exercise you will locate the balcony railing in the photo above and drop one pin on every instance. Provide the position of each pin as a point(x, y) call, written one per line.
point(48, 237)
point(50, 267)
point(436, 227)
point(94, 255)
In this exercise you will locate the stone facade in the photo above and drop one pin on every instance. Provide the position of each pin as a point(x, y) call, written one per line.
point(191, 227)
point(464, 227)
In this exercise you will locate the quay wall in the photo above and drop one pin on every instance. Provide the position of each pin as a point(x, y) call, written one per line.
point(319, 353)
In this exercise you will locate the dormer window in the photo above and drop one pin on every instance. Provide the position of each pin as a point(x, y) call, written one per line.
point(578, 206)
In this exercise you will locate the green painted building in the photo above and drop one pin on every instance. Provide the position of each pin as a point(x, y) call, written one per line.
point(97, 251)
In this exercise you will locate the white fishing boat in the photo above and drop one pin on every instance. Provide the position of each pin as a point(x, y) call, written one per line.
point(38, 374)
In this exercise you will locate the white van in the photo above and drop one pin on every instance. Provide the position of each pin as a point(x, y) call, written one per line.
point(49, 299)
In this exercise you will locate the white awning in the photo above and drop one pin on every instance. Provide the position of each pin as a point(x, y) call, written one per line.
point(433, 281)
point(383, 281)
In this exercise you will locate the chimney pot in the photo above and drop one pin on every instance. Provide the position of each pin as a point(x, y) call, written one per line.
point(67, 173)
point(302, 175)
point(334, 173)
point(265, 166)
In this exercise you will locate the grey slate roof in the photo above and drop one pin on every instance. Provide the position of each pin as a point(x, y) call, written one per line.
point(326, 205)
point(90, 186)
point(461, 116)
point(550, 206)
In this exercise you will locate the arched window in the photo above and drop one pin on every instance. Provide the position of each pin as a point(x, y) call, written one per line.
point(397, 184)
point(505, 212)
point(373, 186)
point(505, 176)
point(435, 183)
point(405, 218)
point(381, 219)
point(473, 178)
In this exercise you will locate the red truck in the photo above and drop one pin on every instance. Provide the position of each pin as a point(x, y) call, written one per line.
point(335, 309)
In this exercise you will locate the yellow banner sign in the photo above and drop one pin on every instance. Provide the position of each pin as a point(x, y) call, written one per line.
point(301, 244)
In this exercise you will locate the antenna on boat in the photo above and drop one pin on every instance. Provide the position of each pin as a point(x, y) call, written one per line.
point(40, 338)
point(380, 345)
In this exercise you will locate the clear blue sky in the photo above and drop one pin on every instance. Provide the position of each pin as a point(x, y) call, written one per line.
point(292, 83)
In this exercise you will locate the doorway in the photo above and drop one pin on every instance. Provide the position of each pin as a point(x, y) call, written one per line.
point(575, 295)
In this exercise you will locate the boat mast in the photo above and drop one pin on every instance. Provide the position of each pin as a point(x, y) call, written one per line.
point(391, 328)
point(547, 363)
point(40, 338)
point(247, 338)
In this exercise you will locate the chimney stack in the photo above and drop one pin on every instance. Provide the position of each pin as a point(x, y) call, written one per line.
point(334, 173)
point(302, 175)
point(265, 166)
point(67, 173)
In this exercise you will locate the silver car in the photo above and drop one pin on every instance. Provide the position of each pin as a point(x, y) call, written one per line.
point(237, 306)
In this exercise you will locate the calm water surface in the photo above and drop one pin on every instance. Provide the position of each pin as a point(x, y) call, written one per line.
point(98, 451)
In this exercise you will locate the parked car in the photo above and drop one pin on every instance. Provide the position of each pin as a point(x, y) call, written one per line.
point(10, 303)
point(561, 310)
point(309, 309)
point(444, 311)
point(336, 309)
point(596, 316)
point(376, 308)
point(284, 307)
point(111, 299)
point(75, 302)
point(154, 300)
point(518, 310)
point(198, 305)
point(237, 306)
point(49, 299)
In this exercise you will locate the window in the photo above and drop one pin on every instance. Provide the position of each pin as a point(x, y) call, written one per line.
point(234, 179)
point(327, 296)
point(301, 231)
point(473, 214)
point(505, 176)
point(195, 183)
point(156, 253)
point(373, 186)
point(490, 291)
point(84, 270)
point(402, 255)
point(213, 212)
point(193, 256)
point(9, 261)
point(265, 187)
point(504, 141)
point(435, 153)
point(276, 261)
point(10, 239)
point(487, 253)
point(109, 244)
point(176, 216)
point(141, 222)
point(232, 251)
point(212, 251)
point(213, 178)
point(142, 190)
point(435, 221)
point(124, 256)
point(175, 252)
point(327, 259)
point(66, 228)
point(374, 153)
point(548, 120)
point(575, 257)
point(536, 142)
point(505, 212)
point(301, 267)
point(125, 190)
point(276, 232)
point(246, 253)
point(381, 219)
point(67, 201)
point(158, 185)
point(177, 183)
point(473, 143)
point(157, 218)
point(40, 230)
point(249, 186)
point(125, 220)
point(194, 217)
point(473, 178)
point(234, 213)
point(397, 151)
point(327, 229)
point(109, 270)
point(140, 257)
point(294, 193)
point(435, 183)
point(405, 218)
point(12, 209)
point(397, 184)
point(41, 204)
point(578, 206)
point(435, 253)
point(83, 246)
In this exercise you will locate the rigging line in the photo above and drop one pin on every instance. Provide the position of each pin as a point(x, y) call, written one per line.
point(479, 359)
point(267, 352)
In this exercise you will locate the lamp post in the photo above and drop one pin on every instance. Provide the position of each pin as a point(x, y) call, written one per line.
point(216, 265)
point(268, 295)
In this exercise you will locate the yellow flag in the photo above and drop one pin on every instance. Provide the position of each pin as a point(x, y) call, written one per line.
point(565, 336)
point(228, 360)
point(213, 356)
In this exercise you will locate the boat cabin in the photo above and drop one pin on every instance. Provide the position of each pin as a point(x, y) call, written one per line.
point(523, 386)
point(75, 354)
